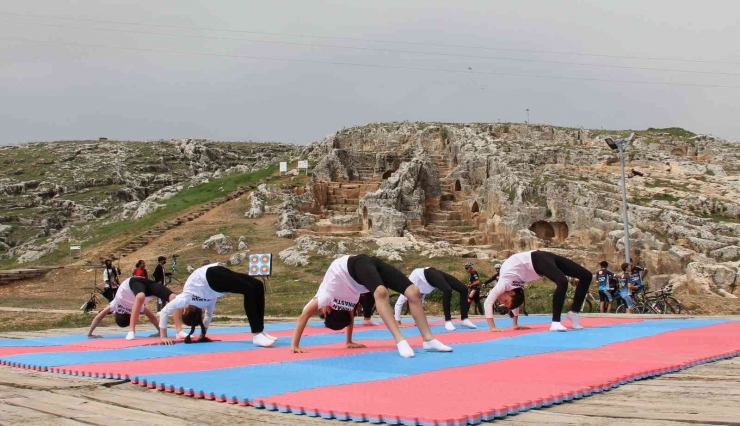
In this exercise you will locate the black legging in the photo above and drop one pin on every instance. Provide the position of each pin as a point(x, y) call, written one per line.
point(372, 273)
point(558, 269)
point(224, 280)
point(368, 304)
point(446, 283)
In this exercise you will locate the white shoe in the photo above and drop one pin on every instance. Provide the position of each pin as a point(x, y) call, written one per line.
point(262, 340)
point(369, 322)
point(436, 345)
point(556, 326)
point(273, 338)
point(404, 349)
point(467, 323)
point(181, 334)
point(574, 319)
point(131, 335)
point(449, 326)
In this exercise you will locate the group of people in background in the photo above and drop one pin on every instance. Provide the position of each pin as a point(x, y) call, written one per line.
point(360, 280)
point(625, 285)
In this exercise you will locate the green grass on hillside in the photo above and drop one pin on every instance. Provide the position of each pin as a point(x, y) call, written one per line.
point(190, 197)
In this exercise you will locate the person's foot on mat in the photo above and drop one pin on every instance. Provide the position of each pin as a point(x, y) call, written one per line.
point(369, 321)
point(404, 349)
point(436, 345)
point(181, 334)
point(131, 335)
point(271, 337)
point(262, 340)
point(449, 326)
point(556, 326)
point(467, 323)
point(574, 318)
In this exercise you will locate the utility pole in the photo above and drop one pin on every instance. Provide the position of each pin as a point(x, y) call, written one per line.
point(621, 145)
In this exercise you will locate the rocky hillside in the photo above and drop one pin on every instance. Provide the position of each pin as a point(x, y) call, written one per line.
point(48, 190)
point(490, 189)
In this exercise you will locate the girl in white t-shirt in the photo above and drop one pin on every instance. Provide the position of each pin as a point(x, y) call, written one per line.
point(200, 292)
point(129, 303)
point(339, 292)
point(522, 268)
point(429, 279)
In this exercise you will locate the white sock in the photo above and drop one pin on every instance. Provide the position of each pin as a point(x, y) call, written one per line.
point(467, 323)
point(574, 318)
point(404, 349)
point(181, 334)
point(367, 321)
point(131, 335)
point(269, 336)
point(449, 326)
point(556, 326)
point(262, 340)
point(436, 345)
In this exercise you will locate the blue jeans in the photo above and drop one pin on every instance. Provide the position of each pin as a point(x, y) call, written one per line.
point(627, 300)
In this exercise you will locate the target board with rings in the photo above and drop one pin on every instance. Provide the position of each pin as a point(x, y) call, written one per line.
point(260, 264)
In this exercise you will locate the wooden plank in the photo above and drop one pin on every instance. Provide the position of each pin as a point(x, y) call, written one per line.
point(191, 409)
point(12, 415)
point(78, 409)
point(547, 417)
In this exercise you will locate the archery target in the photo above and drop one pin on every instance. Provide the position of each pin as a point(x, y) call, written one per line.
point(260, 264)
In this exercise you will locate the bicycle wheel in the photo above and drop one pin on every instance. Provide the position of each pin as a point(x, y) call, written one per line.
point(621, 309)
point(676, 307)
point(588, 307)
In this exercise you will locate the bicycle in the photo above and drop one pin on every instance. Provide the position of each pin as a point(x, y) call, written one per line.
point(664, 299)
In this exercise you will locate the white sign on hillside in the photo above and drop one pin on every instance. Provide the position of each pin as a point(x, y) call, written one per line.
point(283, 167)
point(303, 164)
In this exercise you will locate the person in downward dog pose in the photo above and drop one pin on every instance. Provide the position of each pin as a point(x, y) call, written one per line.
point(428, 279)
point(345, 280)
point(201, 291)
point(129, 303)
point(529, 266)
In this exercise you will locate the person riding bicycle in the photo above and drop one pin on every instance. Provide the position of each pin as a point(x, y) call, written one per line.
point(495, 276)
point(474, 286)
point(605, 278)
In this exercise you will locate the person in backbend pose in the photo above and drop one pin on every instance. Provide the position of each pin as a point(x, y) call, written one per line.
point(529, 266)
point(201, 291)
point(428, 279)
point(345, 280)
point(129, 302)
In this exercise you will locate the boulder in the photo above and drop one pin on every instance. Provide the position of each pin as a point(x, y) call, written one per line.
point(388, 252)
point(285, 233)
point(242, 243)
point(146, 207)
point(294, 256)
point(711, 279)
point(238, 258)
point(219, 242)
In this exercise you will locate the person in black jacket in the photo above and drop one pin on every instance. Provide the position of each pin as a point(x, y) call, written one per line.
point(159, 276)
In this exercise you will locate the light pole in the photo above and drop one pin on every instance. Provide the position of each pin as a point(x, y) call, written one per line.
point(620, 145)
point(527, 115)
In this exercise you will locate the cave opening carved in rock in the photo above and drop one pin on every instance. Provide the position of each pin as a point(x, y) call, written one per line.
point(387, 174)
point(550, 232)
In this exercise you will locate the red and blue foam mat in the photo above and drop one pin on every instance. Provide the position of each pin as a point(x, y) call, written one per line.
point(488, 376)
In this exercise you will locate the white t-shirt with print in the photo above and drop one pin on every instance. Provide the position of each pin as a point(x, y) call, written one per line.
point(515, 272)
point(338, 289)
point(124, 300)
point(195, 292)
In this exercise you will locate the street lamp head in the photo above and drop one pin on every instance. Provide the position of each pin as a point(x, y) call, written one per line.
point(612, 144)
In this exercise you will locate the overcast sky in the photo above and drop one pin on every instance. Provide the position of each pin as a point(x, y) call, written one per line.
point(94, 74)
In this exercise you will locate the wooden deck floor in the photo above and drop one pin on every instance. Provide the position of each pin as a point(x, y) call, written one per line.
point(705, 395)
